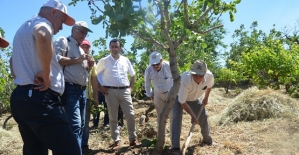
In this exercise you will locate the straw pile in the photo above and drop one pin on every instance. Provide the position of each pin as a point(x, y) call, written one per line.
point(254, 104)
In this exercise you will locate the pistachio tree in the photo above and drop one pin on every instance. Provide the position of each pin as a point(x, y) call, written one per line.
point(166, 25)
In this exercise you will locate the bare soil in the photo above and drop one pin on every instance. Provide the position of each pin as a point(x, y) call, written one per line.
point(274, 136)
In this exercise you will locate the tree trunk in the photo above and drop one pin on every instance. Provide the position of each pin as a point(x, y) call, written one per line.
point(171, 97)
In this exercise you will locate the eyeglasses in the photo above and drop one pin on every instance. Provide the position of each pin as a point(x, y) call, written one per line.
point(156, 64)
point(82, 32)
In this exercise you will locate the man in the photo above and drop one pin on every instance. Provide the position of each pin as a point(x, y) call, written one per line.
point(117, 90)
point(35, 102)
point(195, 86)
point(159, 73)
point(76, 66)
point(101, 99)
point(3, 42)
point(92, 89)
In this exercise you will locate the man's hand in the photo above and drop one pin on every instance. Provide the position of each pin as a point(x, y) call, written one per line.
point(205, 101)
point(103, 90)
point(83, 57)
point(95, 103)
point(194, 120)
point(90, 62)
point(152, 98)
point(43, 81)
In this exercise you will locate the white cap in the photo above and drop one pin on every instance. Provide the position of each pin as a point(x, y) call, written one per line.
point(56, 4)
point(155, 58)
point(3, 42)
point(82, 24)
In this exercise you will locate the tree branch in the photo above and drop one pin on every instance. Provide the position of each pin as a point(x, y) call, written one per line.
point(166, 13)
point(202, 16)
point(149, 39)
point(165, 30)
point(92, 2)
point(207, 31)
point(180, 41)
point(186, 13)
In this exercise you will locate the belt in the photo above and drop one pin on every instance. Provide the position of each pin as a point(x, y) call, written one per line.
point(75, 85)
point(31, 87)
point(111, 87)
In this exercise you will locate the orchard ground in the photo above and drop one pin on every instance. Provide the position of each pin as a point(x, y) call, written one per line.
point(275, 130)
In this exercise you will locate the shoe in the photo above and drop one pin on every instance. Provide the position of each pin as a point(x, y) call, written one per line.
point(176, 151)
point(115, 145)
point(133, 143)
point(202, 144)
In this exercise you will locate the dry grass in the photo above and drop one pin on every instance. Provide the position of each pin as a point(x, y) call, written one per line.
point(275, 129)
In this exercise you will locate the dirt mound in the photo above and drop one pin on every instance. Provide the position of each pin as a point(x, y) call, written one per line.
point(254, 104)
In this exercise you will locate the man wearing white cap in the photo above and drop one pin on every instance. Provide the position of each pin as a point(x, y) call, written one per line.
point(76, 67)
point(159, 73)
point(3, 42)
point(194, 92)
point(35, 102)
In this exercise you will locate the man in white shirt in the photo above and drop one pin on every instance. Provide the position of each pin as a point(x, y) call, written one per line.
point(35, 102)
point(159, 73)
point(194, 92)
point(117, 90)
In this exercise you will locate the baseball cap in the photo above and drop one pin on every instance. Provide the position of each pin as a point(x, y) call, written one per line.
point(155, 58)
point(199, 67)
point(56, 4)
point(85, 42)
point(3, 42)
point(82, 24)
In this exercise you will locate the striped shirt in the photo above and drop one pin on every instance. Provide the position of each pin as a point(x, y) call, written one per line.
point(162, 79)
point(190, 90)
point(25, 60)
point(75, 73)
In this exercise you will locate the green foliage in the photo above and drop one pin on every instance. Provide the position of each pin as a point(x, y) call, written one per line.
point(148, 143)
point(6, 80)
point(227, 77)
point(97, 109)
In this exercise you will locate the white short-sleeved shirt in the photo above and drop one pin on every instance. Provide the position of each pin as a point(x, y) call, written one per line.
point(25, 61)
point(162, 80)
point(190, 90)
point(115, 72)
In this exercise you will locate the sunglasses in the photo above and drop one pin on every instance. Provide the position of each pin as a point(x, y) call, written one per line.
point(156, 64)
point(82, 32)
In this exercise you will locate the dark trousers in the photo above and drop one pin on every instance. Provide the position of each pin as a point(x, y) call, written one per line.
point(42, 122)
point(106, 116)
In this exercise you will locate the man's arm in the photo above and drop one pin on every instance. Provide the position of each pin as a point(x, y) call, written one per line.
point(207, 94)
point(132, 81)
point(11, 69)
point(187, 108)
point(62, 50)
point(44, 47)
point(65, 61)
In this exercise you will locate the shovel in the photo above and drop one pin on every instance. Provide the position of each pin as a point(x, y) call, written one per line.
point(191, 132)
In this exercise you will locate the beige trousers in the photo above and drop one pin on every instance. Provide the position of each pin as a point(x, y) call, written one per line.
point(122, 98)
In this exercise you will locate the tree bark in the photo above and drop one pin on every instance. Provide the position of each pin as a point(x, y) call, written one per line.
point(171, 97)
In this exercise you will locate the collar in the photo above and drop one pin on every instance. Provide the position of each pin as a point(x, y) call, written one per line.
point(73, 40)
